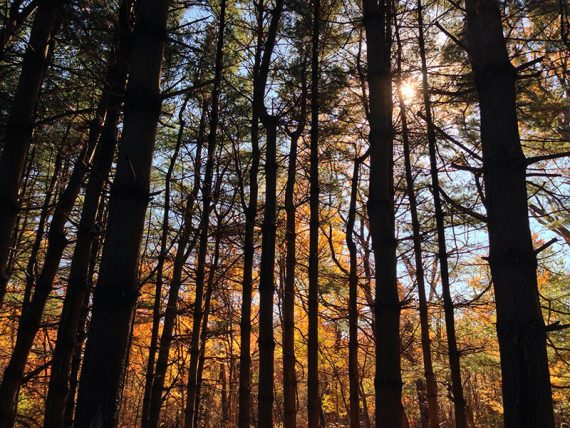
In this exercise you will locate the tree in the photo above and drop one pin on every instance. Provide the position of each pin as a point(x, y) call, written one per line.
point(117, 288)
point(520, 327)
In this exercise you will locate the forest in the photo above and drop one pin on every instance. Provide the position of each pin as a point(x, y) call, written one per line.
point(285, 213)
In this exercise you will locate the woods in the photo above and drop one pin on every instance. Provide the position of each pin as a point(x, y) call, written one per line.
point(282, 213)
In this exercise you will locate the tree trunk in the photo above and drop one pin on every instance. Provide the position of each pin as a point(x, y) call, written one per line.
point(288, 330)
point(527, 395)
point(70, 402)
point(189, 413)
point(313, 397)
point(459, 403)
point(265, 396)
point(353, 375)
point(156, 314)
point(430, 383)
point(185, 246)
point(244, 390)
point(32, 266)
point(387, 381)
point(267, 279)
point(117, 288)
point(16, 17)
point(20, 125)
point(225, 409)
point(69, 330)
point(204, 333)
point(32, 314)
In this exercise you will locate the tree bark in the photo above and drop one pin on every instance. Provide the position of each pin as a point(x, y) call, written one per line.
point(189, 413)
point(265, 395)
point(33, 312)
point(459, 402)
point(72, 318)
point(156, 314)
point(527, 395)
point(204, 332)
point(17, 15)
point(185, 246)
point(244, 390)
point(21, 123)
point(117, 288)
point(353, 372)
point(288, 330)
point(387, 381)
point(313, 398)
point(430, 386)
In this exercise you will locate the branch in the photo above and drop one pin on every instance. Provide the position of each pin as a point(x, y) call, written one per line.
point(170, 94)
point(556, 326)
point(545, 246)
point(464, 210)
point(534, 159)
point(450, 138)
point(452, 37)
point(528, 64)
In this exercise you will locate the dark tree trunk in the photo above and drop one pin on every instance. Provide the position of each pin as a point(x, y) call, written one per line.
point(225, 409)
point(459, 403)
point(313, 398)
point(244, 390)
point(70, 402)
point(32, 266)
point(527, 395)
point(72, 317)
point(185, 246)
point(288, 331)
point(288, 339)
point(204, 333)
point(265, 396)
point(387, 381)
point(353, 372)
point(189, 413)
point(267, 279)
point(117, 288)
point(17, 15)
point(156, 314)
point(430, 382)
point(20, 125)
point(33, 312)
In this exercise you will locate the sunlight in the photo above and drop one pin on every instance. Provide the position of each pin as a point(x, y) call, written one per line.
point(408, 91)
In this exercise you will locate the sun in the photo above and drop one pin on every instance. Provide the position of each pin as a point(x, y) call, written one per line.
point(408, 91)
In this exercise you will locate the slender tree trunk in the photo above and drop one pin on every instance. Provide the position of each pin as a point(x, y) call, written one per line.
point(72, 317)
point(265, 396)
point(185, 246)
point(288, 338)
point(32, 315)
point(430, 383)
point(32, 266)
point(267, 279)
point(156, 315)
point(17, 15)
point(189, 413)
point(453, 351)
point(204, 333)
point(20, 126)
point(117, 288)
point(313, 397)
point(353, 375)
point(387, 381)
point(288, 330)
point(527, 395)
point(225, 408)
point(244, 390)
